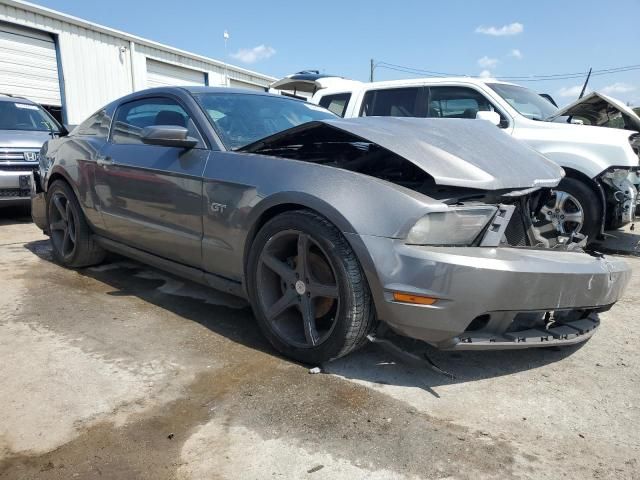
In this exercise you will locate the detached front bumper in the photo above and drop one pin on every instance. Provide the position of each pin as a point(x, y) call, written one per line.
point(38, 204)
point(492, 297)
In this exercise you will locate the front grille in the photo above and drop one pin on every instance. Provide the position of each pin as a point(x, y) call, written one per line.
point(13, 192)
point(18, 155)
point(9, 167)
point(516, 233)
point(14, 156)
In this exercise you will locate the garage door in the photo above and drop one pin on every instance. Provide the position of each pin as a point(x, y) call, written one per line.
point(164, 74)
point(239, 84)
point(28, 65)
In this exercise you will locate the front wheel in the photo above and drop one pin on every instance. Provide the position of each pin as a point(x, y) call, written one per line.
point(573, 208)
point(307, 288)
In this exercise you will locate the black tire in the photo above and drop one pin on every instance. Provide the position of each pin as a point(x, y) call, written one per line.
point(589, 203)
point(341, 319)
point(70, 235)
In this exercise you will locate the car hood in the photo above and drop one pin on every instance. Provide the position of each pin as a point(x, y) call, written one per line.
point(22, 139)
point(597, 108)
point(455, 152)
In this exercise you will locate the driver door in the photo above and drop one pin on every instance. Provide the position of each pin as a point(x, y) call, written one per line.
point(151, 195)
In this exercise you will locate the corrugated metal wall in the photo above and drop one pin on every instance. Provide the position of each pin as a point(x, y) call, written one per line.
point(215, 74)
point(28, 65)
point(99, 66)
point(161, 74)
point(96, 69)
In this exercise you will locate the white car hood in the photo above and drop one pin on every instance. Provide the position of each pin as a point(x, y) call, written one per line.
point(597, 107)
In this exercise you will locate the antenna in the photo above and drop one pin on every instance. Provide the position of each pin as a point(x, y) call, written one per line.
point(584, 87)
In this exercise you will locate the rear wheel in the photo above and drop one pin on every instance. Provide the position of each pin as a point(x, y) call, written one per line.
point(307, 289)
point(573, 207)
point(71, 239)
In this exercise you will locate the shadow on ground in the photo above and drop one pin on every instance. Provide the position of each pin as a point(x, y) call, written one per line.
point(232, 318)
point(14, 215)
point(621, 242)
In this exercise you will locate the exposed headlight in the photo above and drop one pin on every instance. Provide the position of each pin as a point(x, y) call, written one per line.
point(457, 226)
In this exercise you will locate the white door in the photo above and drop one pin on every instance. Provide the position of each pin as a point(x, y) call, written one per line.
point(161, 74)
point(239, 84)
point(29, 65)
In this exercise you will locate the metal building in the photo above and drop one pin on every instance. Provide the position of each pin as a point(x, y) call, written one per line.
point(73, 67)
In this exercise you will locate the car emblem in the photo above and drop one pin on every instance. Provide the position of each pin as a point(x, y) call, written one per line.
point(217, 207)
point(31, 156)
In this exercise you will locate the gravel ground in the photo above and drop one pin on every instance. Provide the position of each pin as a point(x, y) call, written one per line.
point(124, 372)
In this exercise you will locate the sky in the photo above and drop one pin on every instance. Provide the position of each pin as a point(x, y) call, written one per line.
point(492, 38)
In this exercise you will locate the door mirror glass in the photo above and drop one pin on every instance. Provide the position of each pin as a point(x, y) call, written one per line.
point(133, 117)
point(168, 136)
point(489, 116)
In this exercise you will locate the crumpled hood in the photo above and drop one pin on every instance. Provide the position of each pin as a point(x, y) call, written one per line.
point(457, 152)
point(598, 109)
point(23, 139)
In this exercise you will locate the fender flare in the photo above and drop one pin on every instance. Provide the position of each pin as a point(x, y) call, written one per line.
point(286, 201)
point(597, 189)
point(56, 171)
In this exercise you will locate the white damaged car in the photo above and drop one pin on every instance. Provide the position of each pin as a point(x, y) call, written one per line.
point(599, 190)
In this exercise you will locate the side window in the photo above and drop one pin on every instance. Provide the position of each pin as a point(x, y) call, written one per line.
point(96, 125)
point(458, 102)
point(391, 102)
point(132, 117)
point(336, 103)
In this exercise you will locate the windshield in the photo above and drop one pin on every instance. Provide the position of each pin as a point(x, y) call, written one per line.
point(241, 119)
point(527, 102)
point(25, 116)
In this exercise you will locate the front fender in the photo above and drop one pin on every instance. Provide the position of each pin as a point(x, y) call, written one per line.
point(240, 189)
point(301, 199)
point(587, 163)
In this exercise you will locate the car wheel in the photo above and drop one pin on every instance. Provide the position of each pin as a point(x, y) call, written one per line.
point(71, 239)
point(572, 207)
point(307, 288)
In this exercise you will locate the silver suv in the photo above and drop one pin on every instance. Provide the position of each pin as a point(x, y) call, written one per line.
point(24, 127)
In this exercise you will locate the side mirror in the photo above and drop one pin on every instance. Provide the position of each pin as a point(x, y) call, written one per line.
point(168, 136)
point(489, 116)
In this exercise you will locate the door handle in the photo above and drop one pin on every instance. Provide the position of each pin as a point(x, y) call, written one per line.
point(104, 161)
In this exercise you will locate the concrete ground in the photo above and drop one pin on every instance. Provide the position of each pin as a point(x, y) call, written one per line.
point(124, 372)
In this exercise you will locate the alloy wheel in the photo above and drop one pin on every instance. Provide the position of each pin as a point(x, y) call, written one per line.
point(62, 225)
point(297, 289)
point(565, 212)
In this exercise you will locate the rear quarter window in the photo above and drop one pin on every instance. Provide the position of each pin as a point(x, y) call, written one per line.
point(97, 125)
point(391, 102)
point(336, 103)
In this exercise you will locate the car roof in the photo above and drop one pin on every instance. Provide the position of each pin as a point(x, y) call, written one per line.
point(435, 80)
point(182, 90)
point(198, 89)
point(7, 97)
point(330, 84)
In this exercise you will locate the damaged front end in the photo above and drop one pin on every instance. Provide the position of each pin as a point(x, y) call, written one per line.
point(521, 218)
point(484, 266)
point(620, 195)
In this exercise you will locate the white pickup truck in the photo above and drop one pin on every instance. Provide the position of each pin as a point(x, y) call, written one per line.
point(601, 165)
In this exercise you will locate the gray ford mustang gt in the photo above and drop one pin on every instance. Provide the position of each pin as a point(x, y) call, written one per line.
point(330, 227)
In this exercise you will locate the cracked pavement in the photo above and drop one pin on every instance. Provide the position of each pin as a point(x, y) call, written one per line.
point(122, 371)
